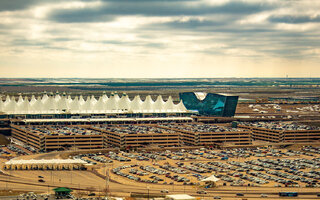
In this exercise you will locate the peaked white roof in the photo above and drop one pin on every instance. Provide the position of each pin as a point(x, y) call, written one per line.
point(56, 104)
point(180, 197)
point(211, 178)
point(43, 161)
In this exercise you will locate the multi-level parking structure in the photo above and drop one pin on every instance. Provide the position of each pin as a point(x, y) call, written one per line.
point(278, 132)
point(200, 134)
point(132, 136)
point(49, 138)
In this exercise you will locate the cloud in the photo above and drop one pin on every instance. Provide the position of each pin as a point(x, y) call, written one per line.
point(290, 19)
point(147, 44)
point(14, 5)
point(111, 9)
point(9, 5)
point(216, 25)
point(80, 16)
point(191, 24)
point(25, 42)
point(151, 34)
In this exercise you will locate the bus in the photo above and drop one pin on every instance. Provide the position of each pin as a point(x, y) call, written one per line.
point(288, 194)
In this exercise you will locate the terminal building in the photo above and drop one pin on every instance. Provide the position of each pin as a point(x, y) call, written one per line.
point(63, 106)
point(210, 104)
point(54, 122)
point(56, 109)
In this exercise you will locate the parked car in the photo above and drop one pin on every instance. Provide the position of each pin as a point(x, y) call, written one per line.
point(201, 192)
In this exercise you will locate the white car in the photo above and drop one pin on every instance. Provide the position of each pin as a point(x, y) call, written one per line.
point(264, 195)
point(164, 191)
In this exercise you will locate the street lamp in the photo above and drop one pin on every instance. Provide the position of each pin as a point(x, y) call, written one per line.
point(148, 192)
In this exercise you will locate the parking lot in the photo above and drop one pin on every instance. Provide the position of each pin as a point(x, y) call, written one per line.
point(258, 167)
point(13, 150)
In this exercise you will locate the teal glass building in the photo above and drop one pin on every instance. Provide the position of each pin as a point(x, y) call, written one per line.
point(210, 104)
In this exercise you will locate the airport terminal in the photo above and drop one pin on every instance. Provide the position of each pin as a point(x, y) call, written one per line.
point(191, 145)
point(60, 122)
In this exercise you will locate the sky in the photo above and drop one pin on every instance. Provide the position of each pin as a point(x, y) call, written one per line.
point(159, 38)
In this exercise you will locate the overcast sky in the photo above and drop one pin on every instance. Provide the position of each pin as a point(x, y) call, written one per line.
point(159, 38)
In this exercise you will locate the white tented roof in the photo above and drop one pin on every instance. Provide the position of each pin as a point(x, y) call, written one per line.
point(56, 104)
point(180, 197)
point(211, 178)
point(110, 119)
point(51, 161)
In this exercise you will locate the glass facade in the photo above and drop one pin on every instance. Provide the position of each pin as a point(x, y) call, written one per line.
point(212, 104)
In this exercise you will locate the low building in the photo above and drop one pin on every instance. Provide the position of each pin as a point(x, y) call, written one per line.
point(52, 164)
point(62, 192)
point(179, 197)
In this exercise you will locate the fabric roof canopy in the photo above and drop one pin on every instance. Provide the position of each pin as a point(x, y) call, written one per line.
point(109, 119)
point(51, 161)
point(62, 189)
point(62, 104)
point(180, 197)
point(211, 178)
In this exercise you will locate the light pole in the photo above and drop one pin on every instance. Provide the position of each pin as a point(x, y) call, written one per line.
point(7, 183)
point(148, 192)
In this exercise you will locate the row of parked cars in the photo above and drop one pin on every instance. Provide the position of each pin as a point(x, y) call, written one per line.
point(3, 151)
point(311, 149)
point(285, 171)
point(17, 150)
point(146, 170)
point(173, 169)
point(153, 170)
point(118, 172)
point(115, 156)
point(92, 158)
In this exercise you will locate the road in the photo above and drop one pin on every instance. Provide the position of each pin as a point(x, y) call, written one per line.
point(97, 184)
